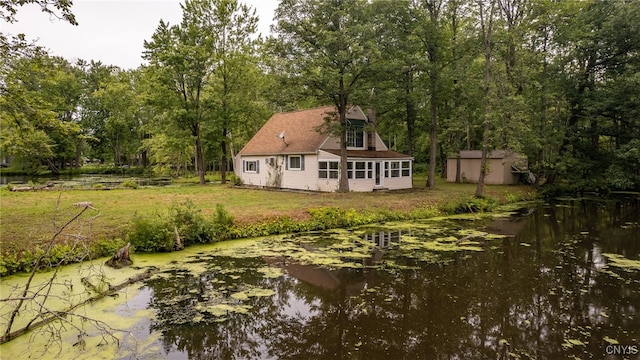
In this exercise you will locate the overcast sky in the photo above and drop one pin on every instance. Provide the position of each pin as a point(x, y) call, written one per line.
point(111, 31)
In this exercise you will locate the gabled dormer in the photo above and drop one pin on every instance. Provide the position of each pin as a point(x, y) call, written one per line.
point(356, 129)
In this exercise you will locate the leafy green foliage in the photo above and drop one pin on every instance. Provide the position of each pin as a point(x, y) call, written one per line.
point(151, 234)
point(129, 183)
point(471, 205)
point(190, 224)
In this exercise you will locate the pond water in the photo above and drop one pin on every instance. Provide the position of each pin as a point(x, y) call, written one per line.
point(85, 180)
point(555, 281)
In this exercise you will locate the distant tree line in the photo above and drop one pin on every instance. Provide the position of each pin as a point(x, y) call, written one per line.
point(557, 80)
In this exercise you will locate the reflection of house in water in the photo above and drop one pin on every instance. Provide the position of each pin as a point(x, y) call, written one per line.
point(354, 280)
point(382, 240)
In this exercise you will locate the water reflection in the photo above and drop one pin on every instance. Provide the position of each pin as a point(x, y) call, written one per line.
point(544, 291)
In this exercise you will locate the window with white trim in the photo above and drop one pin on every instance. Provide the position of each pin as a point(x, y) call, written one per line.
point(355, 137)
point(393, 169)
point(328, 169)
point(359, 170)
point(296, 162)
point(406, 168)
point(251, 166)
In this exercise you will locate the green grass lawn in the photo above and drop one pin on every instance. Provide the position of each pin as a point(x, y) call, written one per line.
point(31, 218)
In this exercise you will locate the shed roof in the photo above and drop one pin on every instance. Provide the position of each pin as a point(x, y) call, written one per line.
point(477, 154)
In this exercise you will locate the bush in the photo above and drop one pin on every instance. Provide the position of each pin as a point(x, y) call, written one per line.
point(470, 205)
point(129, 183)
point(153, 234)
point(329, 218)
point(222, 223)
point(191, 225)
point(107, 247)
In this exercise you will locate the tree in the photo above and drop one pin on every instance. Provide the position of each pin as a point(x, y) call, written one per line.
point(16, 45)
point(39, 98)
point(328, 45)
point(487, 16)
point(433, 42)
point(61, 9)
point(234, 77)
point(598, 66)
point(194, 55)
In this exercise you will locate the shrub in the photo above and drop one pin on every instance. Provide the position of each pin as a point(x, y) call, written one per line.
point(153, 234)
point(129, 183)
point(470, 205)
point(106, 247)
point(329, 218)
point(191, 225)
point(236, 180)
point(222, 223)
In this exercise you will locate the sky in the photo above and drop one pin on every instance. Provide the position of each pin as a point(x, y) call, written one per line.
point(110, 31)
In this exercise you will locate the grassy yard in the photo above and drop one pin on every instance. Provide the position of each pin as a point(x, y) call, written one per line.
point(30, 218)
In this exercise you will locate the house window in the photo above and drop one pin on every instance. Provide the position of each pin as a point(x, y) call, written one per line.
point(370, 170)
point(395, 168)
point(406, 168)
point(271, 161)
point(328, 169)
point(251, 166)
point(295, 162)
point(358, 170)
point(361, 169)
point(355, 137)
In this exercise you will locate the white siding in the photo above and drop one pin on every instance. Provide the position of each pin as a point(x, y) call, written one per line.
point(279, 175)
point(302, 179)
point(258, 178)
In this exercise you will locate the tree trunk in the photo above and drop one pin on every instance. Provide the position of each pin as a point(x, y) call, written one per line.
point(343, 185)
point(486, 24)
point(121, 258)
point(200, 169)
point(433, 146)
point(410, 112)
point(223, 159)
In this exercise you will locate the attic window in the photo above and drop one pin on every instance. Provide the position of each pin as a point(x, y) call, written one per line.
point(355, 137)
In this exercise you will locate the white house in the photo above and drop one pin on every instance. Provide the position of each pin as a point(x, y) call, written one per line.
point(290, 151)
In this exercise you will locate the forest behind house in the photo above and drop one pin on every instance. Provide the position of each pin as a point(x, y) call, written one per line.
point(556, 80)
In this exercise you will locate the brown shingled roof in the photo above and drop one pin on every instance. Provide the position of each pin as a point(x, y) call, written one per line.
point(300, 133)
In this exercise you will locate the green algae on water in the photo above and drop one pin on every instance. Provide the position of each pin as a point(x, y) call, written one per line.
point(622, 262)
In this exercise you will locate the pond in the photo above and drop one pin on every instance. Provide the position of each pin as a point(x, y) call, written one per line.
point(87, 181)
point(555, 281)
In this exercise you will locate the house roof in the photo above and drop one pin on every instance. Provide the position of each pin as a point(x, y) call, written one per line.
point(370, 154)
point(299, 129)
point(298, 132)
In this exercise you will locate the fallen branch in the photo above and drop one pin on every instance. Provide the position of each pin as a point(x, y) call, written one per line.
point(56, 315)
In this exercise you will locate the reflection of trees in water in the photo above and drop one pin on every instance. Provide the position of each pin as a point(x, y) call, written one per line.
point(527, 300)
